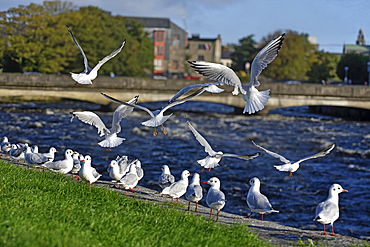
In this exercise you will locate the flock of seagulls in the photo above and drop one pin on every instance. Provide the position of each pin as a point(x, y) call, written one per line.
point(126, 173)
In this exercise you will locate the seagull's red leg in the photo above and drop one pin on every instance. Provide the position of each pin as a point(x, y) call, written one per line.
point(261, 217)
point(210, 215)
point(218, 212)
point(132, 190)
point(212, 94)
point(189, 207)
point(196, 206)
point(164, 131)
point(171, 200)
point(324, 230)
point(126, 193)
point(177, 200)
point(203, 169)
point(249, 215)
point(108, 149)
point(155, 132)
point(209, 169)
point(332, 229)
point(76, 83)
point(290, 174)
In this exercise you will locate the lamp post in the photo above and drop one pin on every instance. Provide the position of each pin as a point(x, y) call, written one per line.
point(346, 74)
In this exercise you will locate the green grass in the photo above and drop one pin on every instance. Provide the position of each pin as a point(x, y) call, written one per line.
point(48, 209)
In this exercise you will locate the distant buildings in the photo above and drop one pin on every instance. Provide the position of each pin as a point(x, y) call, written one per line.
point(360, 47)
point(173, 47)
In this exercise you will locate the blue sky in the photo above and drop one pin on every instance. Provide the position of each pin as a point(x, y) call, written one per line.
point(333, 22)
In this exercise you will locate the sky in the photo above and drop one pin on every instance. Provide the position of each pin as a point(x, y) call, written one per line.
point(333, 22)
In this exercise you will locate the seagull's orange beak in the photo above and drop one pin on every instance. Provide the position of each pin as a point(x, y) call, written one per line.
point(56, 151)
point(190, 175)
point(206, 182)
point(344, 190)
point(82, 160)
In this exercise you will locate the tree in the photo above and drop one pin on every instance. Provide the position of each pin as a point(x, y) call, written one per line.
point(357, 64)
point(35, 38)
point(324, 68)
point(243, 53)
point(294, 58)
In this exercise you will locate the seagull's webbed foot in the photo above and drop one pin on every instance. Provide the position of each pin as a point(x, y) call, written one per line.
point(155, 132)
point(164, 131)
point(290, 174)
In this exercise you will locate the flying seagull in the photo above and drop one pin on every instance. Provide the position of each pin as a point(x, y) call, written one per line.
point(86, 76)
point(255, 100)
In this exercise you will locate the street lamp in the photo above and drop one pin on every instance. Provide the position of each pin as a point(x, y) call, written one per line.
point(346, 74)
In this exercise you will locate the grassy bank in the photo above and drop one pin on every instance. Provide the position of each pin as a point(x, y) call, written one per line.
point(48, 209)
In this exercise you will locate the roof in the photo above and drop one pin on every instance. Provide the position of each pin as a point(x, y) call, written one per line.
point(155, 22)
point(356, 47)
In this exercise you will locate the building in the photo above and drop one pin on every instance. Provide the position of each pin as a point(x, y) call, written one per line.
point(360, 47)
point(203, 49)
point(170, 42)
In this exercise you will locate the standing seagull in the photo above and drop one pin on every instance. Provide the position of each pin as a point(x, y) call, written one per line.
point(130, 180)
point(292, 167)
point(51, 153)
point(34, 159)
point(257, 202)
point(166, 178)
point(213, 158)
point(87, 172)
point(89, 74)
point(178, 189)
point(194, 192)
point(215, 197)
point(111, 139)
point(328, 211)
point(157, 117)
point(62, 166)
point(255, 100)
point(5, 146)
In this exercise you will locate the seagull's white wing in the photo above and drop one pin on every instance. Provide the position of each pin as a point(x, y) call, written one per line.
point(82, 52)
point(207, 148)
point(121, 112)
point(108, 57)
point(128, 104)
point(244, 157)
point(190, 87)
point(320, 154)
point(91, 118)
point(282, 159)
point(264, 57)
point(217, 72)
point(177, 102)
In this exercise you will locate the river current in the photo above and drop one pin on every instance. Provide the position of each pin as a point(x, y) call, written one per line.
point(294, 133)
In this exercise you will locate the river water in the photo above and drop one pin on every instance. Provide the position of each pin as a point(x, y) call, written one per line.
point(295, 133)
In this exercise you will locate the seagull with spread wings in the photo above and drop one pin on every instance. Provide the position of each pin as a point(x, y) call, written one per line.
point(255, 100)
point(292, 167)
point(213, 158)
point(157, 117)
point(111, 140)
point(86, 76)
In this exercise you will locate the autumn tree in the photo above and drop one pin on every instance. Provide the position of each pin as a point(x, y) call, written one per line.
point(357, 67)
point(324, 68)
point(294, 58)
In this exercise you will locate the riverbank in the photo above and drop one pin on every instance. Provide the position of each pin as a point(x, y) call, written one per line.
point(272, 232)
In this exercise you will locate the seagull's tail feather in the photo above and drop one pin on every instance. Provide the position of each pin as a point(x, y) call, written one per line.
point(255, 100)
point(165, 191)
point(80, 78)
point(207, 162)
point(111, 142)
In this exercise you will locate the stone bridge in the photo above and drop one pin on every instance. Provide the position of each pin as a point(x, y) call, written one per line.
point(40, 87)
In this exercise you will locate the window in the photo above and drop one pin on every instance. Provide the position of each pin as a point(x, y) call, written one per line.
point(158, 64)
point(200, 46)
point(158, 50)
point(159, 35)
point(200, 57)
point(175, 64)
